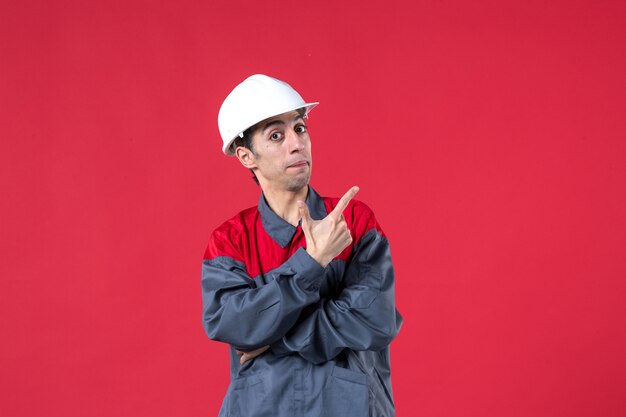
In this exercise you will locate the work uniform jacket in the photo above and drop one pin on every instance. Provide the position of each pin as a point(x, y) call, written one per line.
point(328, 329)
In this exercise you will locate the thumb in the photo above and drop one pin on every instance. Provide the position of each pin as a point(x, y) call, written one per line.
point(304, 215)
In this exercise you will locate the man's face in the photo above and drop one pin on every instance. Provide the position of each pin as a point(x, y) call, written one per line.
point(282, 152)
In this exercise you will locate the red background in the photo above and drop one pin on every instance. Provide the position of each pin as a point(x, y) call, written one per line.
point(488, 137)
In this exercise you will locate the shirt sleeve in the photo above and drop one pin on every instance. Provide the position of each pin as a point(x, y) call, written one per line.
point(236, 311)
point(362, 317)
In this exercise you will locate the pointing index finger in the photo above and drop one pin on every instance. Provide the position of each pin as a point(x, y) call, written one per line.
point(343, 202)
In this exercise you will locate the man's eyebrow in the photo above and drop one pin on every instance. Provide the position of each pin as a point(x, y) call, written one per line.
point(272, 123)
point(280, 122)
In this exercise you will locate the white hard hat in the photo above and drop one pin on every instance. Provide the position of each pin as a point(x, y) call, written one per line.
point(257, 98)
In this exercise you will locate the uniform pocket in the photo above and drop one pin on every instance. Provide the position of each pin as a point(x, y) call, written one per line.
point(246, 395)
point(345, 394)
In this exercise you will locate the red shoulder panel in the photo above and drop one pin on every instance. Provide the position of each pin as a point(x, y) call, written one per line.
point(360, 219)
point(227, 239)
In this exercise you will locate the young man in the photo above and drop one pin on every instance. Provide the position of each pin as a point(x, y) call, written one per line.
point(301, 286)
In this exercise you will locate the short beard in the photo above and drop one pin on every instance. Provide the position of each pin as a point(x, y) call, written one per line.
point(296, 184)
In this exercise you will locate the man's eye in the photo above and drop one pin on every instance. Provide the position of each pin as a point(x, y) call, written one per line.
point(276, 136)
point(300, 129)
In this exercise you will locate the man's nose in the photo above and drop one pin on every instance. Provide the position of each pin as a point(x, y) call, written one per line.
point(296, 143)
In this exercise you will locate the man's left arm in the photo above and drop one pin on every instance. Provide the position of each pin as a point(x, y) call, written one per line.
point(362, 317)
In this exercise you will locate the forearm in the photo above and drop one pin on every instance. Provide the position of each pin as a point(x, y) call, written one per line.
point(246, 317)
point(362, 317)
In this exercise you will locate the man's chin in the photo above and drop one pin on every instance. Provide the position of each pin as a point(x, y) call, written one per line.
point(297, 183)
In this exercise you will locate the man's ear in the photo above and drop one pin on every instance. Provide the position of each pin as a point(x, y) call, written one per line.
point(246, 157)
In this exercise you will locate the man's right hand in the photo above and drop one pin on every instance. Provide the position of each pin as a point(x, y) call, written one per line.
point(327, 238)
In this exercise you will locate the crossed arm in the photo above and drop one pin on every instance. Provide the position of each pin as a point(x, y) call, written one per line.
point(362, 317)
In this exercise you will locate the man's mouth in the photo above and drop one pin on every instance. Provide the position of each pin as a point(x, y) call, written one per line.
point(298, 164)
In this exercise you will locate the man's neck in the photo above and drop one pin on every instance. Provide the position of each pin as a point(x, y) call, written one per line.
point(283, 203)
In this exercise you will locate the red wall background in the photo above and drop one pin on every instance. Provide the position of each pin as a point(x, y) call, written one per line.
point(489, 137)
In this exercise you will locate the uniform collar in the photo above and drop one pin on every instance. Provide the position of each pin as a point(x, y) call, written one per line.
point(278, 228)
